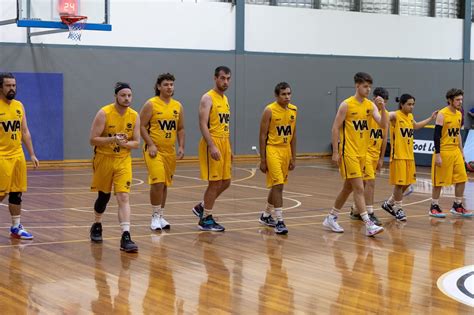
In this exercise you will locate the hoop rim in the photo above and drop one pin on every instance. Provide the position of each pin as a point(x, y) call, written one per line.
point(71, 19)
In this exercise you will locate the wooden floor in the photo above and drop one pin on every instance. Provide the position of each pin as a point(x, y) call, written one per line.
point(247, 269)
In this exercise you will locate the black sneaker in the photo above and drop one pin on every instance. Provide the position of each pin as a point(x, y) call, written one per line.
point(354, 216)
point(209, 224)
point(388, 207)
point(198, 210)
point(96, 232)
point(374, 219)
point(126, 243)
point(268, 221)
point(280, 228)
point(400, 215)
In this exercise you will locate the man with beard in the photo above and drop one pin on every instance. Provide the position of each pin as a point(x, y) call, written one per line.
point(215, 153)
point(115, 131)
point(162, 123)
point(14, 131)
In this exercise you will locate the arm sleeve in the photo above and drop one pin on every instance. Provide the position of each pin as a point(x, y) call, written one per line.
point(437, 138)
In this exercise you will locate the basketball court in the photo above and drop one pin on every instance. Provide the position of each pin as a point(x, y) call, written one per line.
point(422, 266)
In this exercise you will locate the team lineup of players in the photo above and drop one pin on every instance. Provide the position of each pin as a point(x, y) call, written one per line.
point(359, 139)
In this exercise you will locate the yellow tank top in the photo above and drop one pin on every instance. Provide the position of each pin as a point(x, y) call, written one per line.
point(219, 116)
point(11, 116)
point(354, 134)
point(401, 139)
point(115, 123)
point(163, 125)
point(282, 125)
point(376, 138)
point(451, 129)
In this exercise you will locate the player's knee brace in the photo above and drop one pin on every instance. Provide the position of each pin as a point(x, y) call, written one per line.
point(101, 202)
point(14, 198)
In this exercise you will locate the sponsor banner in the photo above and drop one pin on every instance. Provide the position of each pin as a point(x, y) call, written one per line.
point(423, 146)
point(469, 146)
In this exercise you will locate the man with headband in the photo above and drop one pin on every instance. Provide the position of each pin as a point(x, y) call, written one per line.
point(115, 131)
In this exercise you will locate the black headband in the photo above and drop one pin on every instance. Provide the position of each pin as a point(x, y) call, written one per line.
point(121, 86)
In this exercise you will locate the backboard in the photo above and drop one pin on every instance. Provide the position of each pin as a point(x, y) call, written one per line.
point(47, 13)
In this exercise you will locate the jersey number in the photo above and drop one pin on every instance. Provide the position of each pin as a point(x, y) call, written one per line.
point(13, 136)
point(168, 135)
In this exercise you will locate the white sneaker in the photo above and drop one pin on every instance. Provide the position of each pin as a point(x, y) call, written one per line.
point(155, 222)
point(164, 224)
point(331, 223)
point(371, 229)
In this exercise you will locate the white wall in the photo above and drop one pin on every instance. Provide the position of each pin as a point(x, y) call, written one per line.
point(154, 24)
point(285, 30)
point(472, 41)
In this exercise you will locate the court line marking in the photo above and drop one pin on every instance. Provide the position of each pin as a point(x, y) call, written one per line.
point(192, 232)
point(252, 172)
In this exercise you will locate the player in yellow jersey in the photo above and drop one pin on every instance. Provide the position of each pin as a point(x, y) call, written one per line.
point(162, 123)
point(277, 152)
point(402, 160)
point(350, 139)
point(115, 132)
point(447, 167)
point(13, 132)
point(373, 160)
point(215, 153)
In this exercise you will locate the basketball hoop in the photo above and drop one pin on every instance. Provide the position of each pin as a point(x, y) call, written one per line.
point(76, 24)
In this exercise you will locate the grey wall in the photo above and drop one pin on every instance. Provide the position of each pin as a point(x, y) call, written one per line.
point(90, 74)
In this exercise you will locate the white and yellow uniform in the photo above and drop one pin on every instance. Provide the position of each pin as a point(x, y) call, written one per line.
point(163, 130)
point(219, 128)
point(112, 163)
point(12, 158)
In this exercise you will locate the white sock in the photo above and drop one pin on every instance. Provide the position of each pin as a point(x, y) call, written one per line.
point(365, 217)
point(458, 200)
point(397, 205)
point(16, 220)
point(391, 200)
point(156, 209)
point(370, 209)
point(434, 201)
point(279, 214)
point(334, 212)
point(268, 210)
point(207, 212)
point(125, 226)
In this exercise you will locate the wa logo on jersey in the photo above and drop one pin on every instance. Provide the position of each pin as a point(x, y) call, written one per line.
point(284, 130)
point(453, 132)
point(224, 118)
point(376, 134)
point(167, 124)
point(406, 132)
point(11, 125)
point(360, 125)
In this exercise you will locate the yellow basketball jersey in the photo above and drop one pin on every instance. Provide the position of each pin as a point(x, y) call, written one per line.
point(11, 116)
point(354, 134)
point(451, 129)
point(163, 125)
point(376, 138)
point(402, 131)
point(282, 125)
point(114, 124)
point(219, 116)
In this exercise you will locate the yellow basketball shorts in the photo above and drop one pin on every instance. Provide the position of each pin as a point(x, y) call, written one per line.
point(352, 166)
point(451, 171)
point(161, 168)
point(108, 170)
point(402, 172)
point(278, 161)
point(370, 168)
point(12, 174)
point(211, 169)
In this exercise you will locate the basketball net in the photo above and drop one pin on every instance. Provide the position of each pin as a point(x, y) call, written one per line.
point(75, 24)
